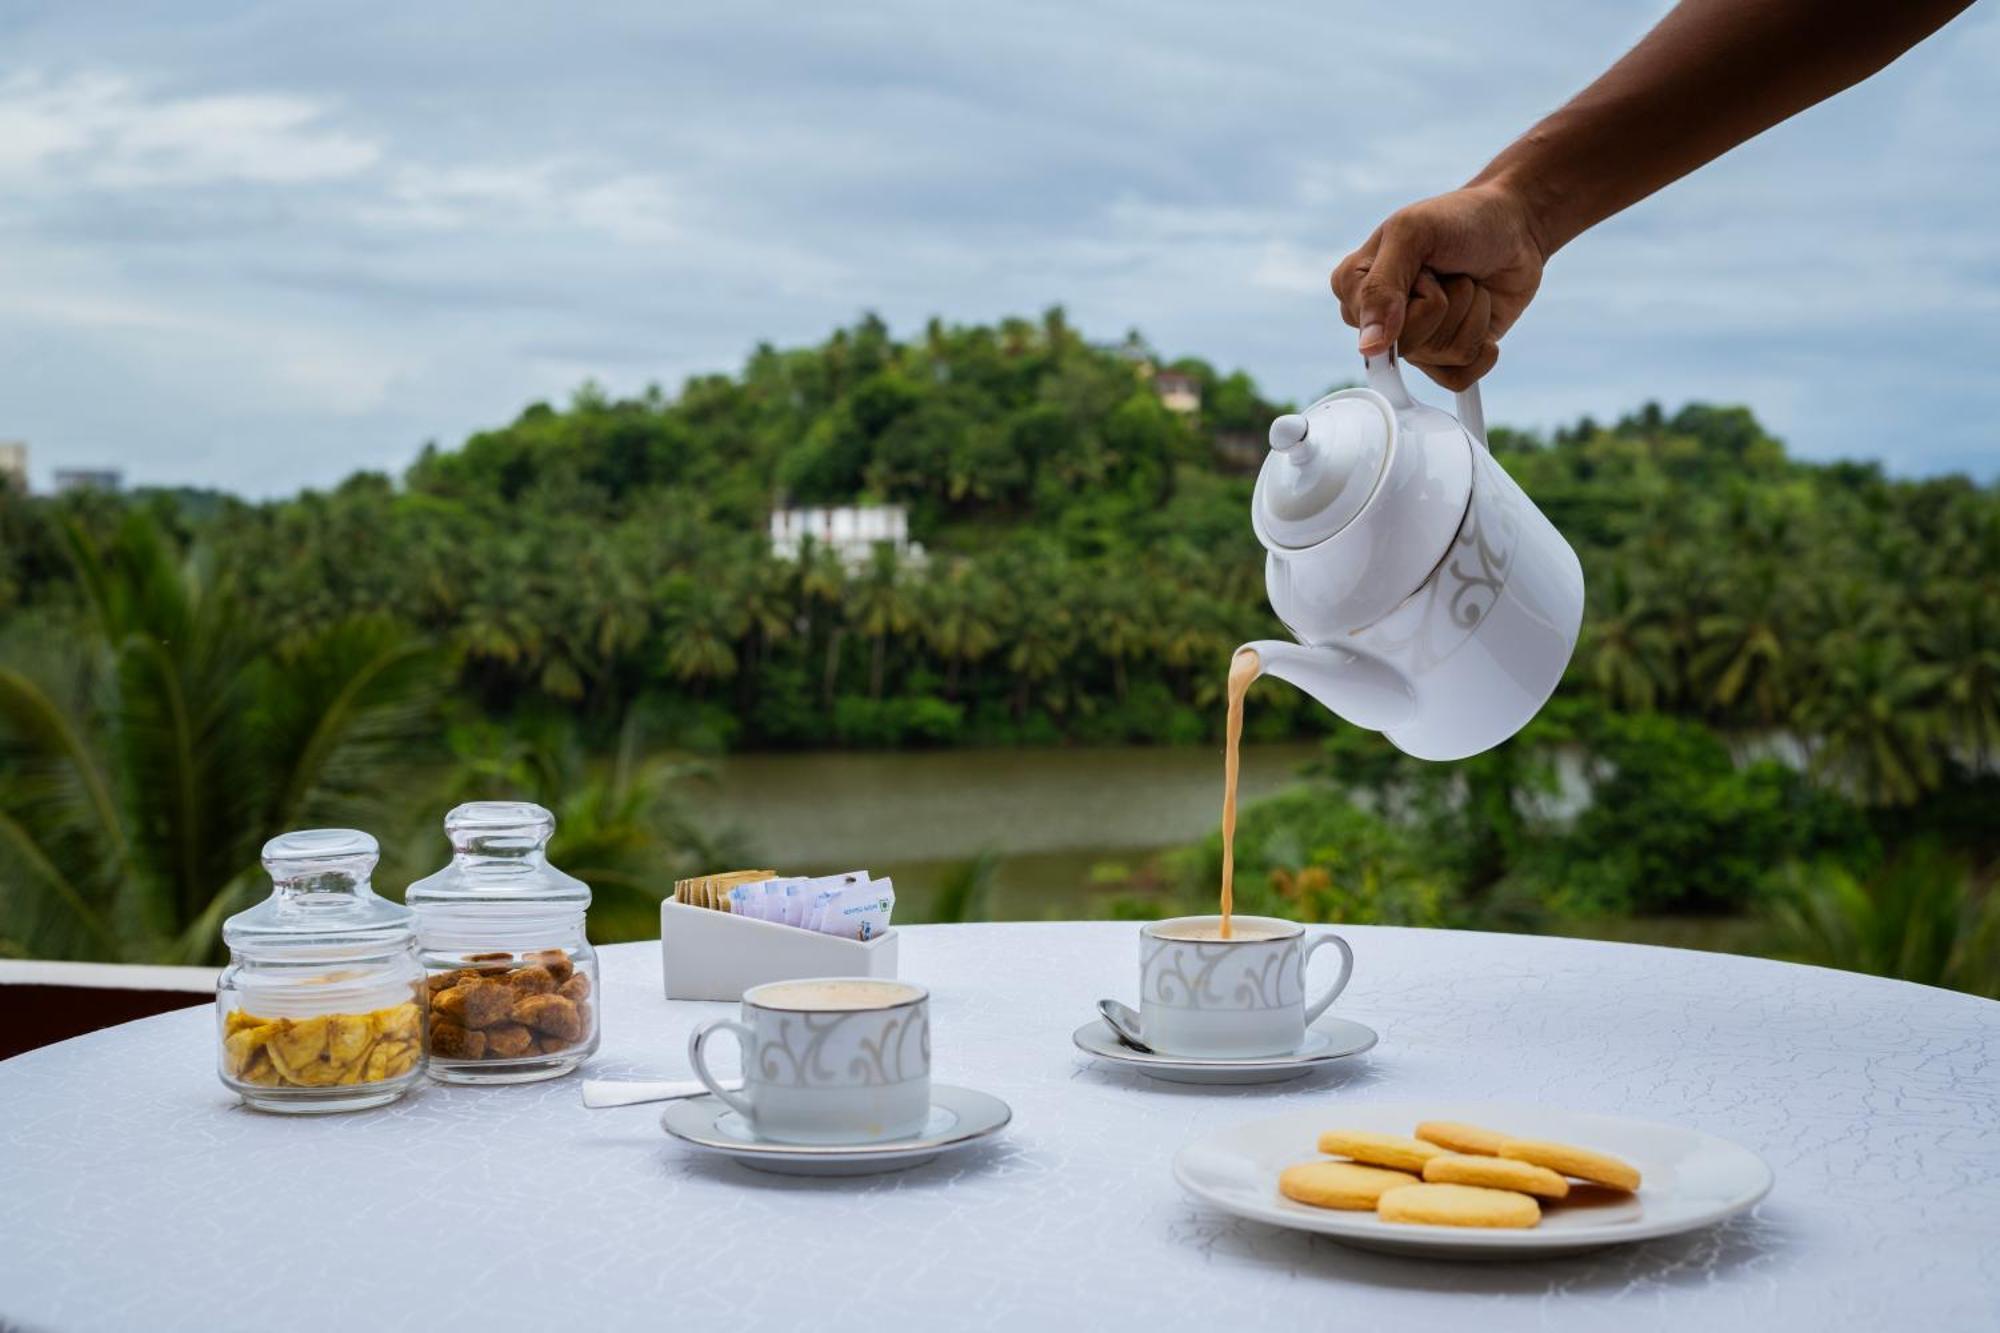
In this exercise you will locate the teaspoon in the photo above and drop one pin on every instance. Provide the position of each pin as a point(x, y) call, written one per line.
point(599, 1093)
point(1124, 1024)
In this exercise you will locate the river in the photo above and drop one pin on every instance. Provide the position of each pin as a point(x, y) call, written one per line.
point(1048, 815)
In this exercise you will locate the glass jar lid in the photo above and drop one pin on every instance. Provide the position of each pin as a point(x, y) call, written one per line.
point(322, 905)
point(499, 855)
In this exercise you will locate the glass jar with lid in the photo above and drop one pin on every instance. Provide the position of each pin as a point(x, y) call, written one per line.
point(320, 1007)
point(512, 984)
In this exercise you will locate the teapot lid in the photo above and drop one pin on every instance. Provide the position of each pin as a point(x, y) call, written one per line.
point(1324, 465)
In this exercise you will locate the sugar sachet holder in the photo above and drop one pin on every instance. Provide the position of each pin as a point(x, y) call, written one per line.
point(707, 954)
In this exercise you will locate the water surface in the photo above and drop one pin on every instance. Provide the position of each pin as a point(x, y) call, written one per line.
point(1049, 815)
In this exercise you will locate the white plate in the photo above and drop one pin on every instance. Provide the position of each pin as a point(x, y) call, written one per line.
point(1688, 1179)
point(960, 1117)
point(1328, 1040)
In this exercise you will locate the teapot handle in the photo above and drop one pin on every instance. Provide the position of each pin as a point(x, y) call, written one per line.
point(1386, 379)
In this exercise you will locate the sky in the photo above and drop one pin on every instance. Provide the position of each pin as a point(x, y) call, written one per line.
point(259, 246)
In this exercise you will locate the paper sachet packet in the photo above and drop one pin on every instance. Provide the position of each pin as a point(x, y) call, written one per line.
point(749, 899)
point(789, 898)
point(859, 911)
point(823, 890)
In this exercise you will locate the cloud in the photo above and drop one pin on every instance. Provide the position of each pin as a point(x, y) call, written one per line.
point(627, 206)
point(104, 130)
point(259, 252)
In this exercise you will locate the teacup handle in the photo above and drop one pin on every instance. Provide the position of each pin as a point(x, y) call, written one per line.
point(1317, 1007)
point(746, 1039)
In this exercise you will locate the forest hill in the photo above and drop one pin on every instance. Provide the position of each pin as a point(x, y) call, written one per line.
point(1089, 565)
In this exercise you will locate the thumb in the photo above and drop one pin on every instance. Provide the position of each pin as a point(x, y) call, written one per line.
point(1385, 292)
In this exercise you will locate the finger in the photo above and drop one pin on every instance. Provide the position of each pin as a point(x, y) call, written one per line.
point(1466, 332)
point(1347, 275)
point(1428, 309)
point(1460, 378)
point(1350, 311)
point(1385, 289)
point(1458, 293)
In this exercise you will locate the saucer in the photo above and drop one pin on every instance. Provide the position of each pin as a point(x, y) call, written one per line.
point(1690, 1179)
point(1328, 1040)
point(960, 1117)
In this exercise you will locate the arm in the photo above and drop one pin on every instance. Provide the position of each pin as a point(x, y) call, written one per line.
point(1449, 275)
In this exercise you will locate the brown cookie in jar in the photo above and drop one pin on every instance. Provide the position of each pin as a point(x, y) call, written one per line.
point(556, 961)
point(453, 1042)
point(550, 1014)
point(534, 979)
point(508, 1041)
point(474, 1004)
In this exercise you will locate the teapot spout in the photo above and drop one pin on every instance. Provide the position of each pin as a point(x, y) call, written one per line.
point(1356, 684)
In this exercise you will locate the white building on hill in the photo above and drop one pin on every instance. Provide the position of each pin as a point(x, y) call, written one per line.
point(14, 464)
point(851, 531)
point(108, 479)
point(1178, 392)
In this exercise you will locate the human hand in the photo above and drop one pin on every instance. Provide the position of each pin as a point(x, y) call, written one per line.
point(1443, 279)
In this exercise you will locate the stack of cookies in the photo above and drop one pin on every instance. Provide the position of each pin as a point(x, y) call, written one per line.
point(1449, 1174)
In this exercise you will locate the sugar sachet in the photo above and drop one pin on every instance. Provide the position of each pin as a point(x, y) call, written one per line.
point(859, 911)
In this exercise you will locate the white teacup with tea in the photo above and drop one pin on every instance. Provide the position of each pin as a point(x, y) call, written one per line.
point(828, 1060)
point(1238, 997)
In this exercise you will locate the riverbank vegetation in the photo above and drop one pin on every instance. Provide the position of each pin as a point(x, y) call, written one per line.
point(1787, 694)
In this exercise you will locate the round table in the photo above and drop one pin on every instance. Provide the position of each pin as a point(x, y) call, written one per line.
point(135, 1193)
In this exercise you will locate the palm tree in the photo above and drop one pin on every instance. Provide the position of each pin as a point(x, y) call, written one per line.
point(1874, 721)
point(1119, 625)
point(822, 586)
point(958, 624)
point(1192, 640)
point(609, 616)
point(760, 589)
point(1962, 638)
point(1625, 645)
point(699, 624)
point(1742, 652)
point(1683, 590)
point(138, 785)
point(879, 606)
point(1039, 629)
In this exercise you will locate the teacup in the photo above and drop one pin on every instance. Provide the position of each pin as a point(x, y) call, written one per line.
point(828, 1060)
point(1238, 998)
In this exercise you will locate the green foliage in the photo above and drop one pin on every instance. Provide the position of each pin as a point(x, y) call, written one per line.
point(963, 892)
point(142, 770)
point(1310, 856)
point(1087, 548)
point(1674, 825)
point(1920, 917)
point(620, 826)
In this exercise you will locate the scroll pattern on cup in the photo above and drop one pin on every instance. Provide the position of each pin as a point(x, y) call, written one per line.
point(1188, 974)
point(866, 1049)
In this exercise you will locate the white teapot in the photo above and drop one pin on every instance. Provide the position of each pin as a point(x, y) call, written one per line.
point(1430, 599)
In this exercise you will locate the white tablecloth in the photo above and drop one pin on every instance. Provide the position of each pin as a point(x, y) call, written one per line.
point(135, 1193)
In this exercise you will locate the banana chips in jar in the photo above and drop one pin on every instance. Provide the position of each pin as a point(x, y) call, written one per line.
point(323, 1051)
point(319, 1008)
